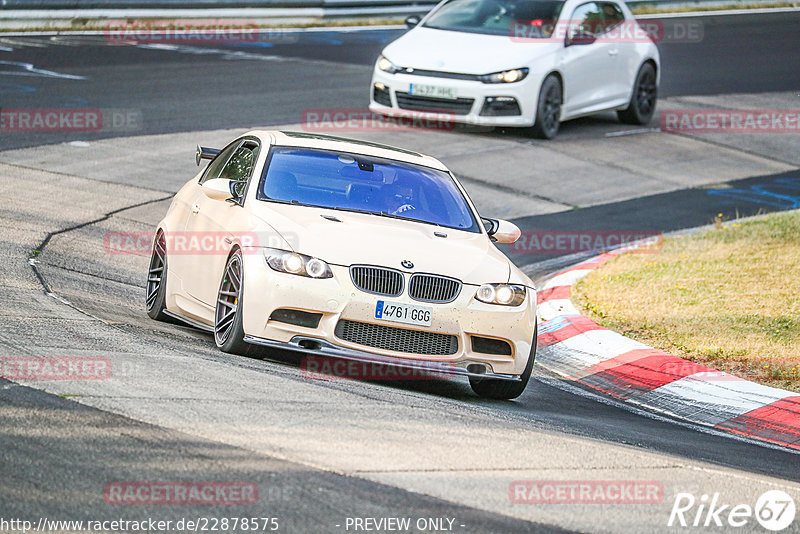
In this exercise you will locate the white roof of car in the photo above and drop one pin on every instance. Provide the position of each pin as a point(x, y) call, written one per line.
point(368, 148)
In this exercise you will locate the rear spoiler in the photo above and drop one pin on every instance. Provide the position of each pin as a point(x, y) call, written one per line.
point(203, 152)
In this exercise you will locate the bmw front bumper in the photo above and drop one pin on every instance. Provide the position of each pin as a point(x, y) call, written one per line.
point(336, 300)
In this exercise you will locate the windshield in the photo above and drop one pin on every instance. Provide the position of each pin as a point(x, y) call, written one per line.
point(341, 180)
point(496, 17)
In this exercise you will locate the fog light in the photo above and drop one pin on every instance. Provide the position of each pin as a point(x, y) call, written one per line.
point(500, 106)
point(380, 94)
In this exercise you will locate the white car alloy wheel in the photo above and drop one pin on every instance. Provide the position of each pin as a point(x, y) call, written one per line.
point(228, 332)
point(643, 98)
point(157, 280)
point(548, 115)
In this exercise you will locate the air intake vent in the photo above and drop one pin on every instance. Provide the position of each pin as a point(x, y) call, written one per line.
point(396, 339)
point(377, 280)
point(433, 288)
point(487, 345)
point(456, 106)
point(296, 317)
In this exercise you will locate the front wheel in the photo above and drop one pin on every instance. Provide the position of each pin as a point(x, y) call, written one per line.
point(493, 388)
point(548, 111)
point(228, 329)
point(156, 289)
point(643, 98)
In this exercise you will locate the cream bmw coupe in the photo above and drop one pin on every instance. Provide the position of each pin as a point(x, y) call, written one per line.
point(344, 249)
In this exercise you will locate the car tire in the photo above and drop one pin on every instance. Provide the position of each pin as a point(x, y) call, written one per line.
point(644, 96)
point(228, 328)
point(492, 388)
point(156, 288)
point(548, 110)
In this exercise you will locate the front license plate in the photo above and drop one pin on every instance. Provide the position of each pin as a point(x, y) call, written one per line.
point(434, 91)
point(403, 313)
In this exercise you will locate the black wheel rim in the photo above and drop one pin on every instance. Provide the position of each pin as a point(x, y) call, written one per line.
point(155, 274)
point(228, 300)
point(646, 93)
point(552, 109)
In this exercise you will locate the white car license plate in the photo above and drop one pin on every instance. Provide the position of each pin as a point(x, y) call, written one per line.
point(434, 91)
point(403, 313)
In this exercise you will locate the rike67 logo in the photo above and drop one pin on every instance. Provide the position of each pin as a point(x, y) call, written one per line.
point(774, 510)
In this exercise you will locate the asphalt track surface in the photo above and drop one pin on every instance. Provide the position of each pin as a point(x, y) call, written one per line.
point(209, 87)
point(48, 441)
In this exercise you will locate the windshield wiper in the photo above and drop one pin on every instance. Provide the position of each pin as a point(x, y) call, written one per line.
point(356, 210)
point(393, 216)
point(298, 203)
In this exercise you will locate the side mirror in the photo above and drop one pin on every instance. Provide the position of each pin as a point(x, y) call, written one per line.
point(502, 231)
point(412, 21)
point(580, 38)
point(219, 189)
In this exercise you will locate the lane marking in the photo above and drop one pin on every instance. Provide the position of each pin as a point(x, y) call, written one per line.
point(631, 132)
point(28, 69)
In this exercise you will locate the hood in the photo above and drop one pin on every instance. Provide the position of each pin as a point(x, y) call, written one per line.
point(467, 53)
point(374, 240)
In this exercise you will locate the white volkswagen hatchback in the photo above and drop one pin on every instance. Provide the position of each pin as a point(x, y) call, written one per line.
point(528, 63)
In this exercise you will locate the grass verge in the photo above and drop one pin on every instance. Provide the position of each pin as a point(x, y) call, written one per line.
point(728, 298)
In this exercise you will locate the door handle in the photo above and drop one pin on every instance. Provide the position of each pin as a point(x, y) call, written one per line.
point(613, 52)
point(195, 209)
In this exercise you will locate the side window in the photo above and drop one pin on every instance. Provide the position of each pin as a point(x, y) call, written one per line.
point(216, 165)
point(240, 166)
point(584, 20)
point(612, 16)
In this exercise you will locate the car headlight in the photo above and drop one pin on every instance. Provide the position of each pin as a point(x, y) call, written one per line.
point(506, 76)
point(387, 66)
point(285, 261)
point(502, 294)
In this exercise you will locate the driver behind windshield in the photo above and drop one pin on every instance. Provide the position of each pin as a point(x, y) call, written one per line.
point(401, 198)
